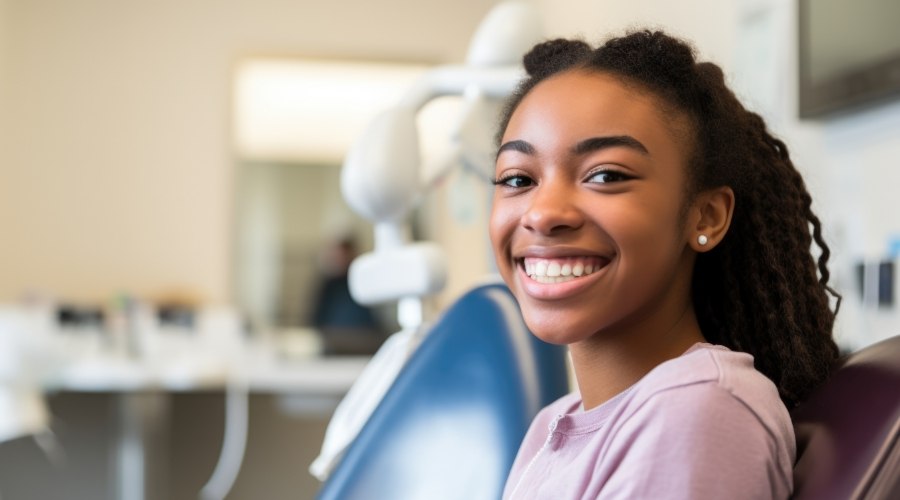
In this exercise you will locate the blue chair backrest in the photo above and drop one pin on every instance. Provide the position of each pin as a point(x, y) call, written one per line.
point(451, 424)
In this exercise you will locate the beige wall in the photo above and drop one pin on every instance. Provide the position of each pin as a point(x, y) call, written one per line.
point(3, 119)
point(118, 174)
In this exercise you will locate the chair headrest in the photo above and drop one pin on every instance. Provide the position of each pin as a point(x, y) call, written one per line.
point(848, 431)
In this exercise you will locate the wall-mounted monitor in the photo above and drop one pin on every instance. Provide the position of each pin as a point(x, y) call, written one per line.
point(849, 54)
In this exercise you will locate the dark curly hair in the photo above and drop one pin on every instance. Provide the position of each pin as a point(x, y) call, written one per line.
point(760, 290)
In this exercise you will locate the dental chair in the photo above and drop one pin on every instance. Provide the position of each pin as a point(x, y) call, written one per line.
point(848, 431)
point(451, 424)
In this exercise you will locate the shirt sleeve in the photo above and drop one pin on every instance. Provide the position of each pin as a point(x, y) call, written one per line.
point(693, 442)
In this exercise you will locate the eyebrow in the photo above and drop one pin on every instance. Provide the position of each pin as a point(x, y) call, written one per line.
point(586, 146)
point(598, 143)
point(517, 145)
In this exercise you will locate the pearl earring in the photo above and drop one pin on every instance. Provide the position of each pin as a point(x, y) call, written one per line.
point(702, 239)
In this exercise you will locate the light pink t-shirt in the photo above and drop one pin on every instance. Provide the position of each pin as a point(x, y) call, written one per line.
point(703, 425)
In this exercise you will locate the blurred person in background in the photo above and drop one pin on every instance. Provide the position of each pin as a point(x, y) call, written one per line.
point(346, 326)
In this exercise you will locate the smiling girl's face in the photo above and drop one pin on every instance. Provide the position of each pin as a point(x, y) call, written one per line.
point(588, 216)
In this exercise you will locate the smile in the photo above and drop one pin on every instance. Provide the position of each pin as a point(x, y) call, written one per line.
point(561, 270)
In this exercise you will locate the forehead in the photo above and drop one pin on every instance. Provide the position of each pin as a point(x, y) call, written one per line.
point(575, 105)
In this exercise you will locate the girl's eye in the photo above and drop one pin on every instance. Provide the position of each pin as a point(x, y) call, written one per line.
point(514, 181)
point(607, 176)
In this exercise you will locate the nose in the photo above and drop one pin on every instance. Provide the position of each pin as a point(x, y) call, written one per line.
point(552, 210)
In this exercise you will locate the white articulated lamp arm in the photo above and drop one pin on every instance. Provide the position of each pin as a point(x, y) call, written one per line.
point(380, 175)
point(381, 181)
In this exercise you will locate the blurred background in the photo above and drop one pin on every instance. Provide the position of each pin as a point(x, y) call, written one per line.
point(177, 163)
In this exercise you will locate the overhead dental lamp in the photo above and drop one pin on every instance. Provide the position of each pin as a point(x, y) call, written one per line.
point(382, 181)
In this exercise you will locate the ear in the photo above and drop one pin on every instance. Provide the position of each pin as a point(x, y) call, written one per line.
point(710, 216)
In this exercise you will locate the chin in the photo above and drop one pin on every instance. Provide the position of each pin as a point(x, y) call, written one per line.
point(558, 331)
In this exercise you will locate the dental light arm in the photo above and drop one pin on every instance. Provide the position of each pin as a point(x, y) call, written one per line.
point(381, 181)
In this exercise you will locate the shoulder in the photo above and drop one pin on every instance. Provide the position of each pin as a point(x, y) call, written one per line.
point(702, 363)
point(718, 369)
point(713, 395)
point(710, 424)
point(715, 377)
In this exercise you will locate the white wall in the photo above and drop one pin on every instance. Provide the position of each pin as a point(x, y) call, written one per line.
point(859, 155)
point(709, 23)
point(847, 162)
point(118, 173)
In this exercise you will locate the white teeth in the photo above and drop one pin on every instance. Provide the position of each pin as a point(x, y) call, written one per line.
point(560, 270)
point(553, 269)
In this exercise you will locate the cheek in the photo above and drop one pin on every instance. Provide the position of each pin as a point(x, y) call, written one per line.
point(495, 231)
point(650, 222)
point(651, 246)
point(501, 225)
point(647, 232)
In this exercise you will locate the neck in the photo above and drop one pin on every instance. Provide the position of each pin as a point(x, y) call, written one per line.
point(609, 362)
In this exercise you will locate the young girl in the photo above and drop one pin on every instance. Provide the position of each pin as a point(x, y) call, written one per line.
point(648, 221)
